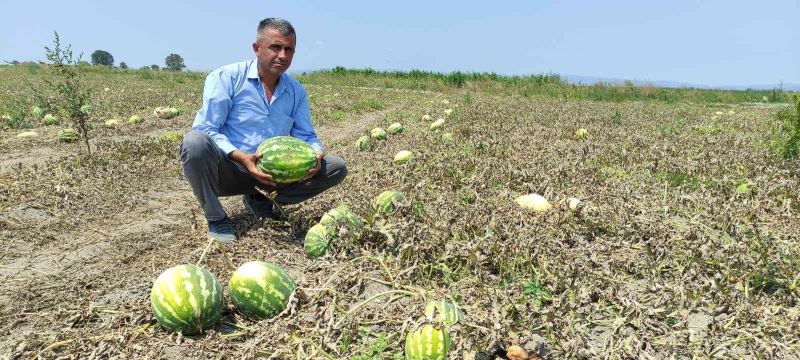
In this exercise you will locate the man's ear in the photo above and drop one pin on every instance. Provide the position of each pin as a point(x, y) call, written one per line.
point(255, 47)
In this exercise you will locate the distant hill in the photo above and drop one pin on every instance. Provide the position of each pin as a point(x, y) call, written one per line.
point(589, 80)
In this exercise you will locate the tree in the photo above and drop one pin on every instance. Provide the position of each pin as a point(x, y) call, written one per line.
point(102, 57)
point(174, 62)
point(123, 65)
point(154, 67)
point(67, 81)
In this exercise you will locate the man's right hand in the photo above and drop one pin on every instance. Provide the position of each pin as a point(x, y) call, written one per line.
point(249, 162)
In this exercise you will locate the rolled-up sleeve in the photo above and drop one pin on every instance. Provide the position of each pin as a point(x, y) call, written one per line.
point(302, 128)
point(216, 105)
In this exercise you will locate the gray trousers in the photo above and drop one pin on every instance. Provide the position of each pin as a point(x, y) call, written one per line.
point(212, 174)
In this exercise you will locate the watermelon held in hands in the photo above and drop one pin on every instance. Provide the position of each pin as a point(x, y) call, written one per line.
point(318, 239)
point(186, 298)
point(443, 312)
point(427, 343)
point(388, 201)
point(260, 290)
point(287, 159)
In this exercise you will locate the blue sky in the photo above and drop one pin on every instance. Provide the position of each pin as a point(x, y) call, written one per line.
point(716, 43)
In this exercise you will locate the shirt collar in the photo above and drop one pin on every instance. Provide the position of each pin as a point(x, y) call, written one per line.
point(252, 73)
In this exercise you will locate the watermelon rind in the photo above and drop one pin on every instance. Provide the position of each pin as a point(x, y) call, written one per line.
point(186, 299)
point(427, 343)
point(260, 290)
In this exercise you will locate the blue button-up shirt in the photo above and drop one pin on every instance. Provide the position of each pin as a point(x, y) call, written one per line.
point(237, 115)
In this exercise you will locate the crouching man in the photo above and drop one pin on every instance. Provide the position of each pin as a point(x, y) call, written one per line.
point(244, 104)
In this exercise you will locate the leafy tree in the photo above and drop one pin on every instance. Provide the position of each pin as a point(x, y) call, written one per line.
point(123, 65)
point(68, 83)
point(154, 67)
point(102, 57)
point(174, 62)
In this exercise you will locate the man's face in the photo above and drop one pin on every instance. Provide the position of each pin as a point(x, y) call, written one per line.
point(274, 51)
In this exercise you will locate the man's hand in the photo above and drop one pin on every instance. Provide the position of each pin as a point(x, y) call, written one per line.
point(314, 170)
point(249, 162)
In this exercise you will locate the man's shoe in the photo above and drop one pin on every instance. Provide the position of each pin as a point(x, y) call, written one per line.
point(221, 230)
point(259, 206)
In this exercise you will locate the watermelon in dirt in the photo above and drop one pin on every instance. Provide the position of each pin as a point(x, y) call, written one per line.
point(427, 343)
point(186, 299)
point(260, 289)
point(287, 159)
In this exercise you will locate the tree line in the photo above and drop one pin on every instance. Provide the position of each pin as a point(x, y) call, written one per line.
point(102, 57)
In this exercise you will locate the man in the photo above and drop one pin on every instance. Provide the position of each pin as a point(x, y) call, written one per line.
point(243, 104)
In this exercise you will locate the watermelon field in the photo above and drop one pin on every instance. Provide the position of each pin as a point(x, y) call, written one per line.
point(672, 231)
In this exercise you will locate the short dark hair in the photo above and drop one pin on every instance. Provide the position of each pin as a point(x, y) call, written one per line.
point(283, 26)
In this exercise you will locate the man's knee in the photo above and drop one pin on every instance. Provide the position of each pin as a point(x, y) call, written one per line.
point(195, 145)
point(336, 169)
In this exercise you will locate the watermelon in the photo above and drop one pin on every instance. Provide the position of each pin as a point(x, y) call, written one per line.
point(134, 119)
point(443, 312)
point(403, 156)
point(395, 128)
point(448, 112)
point(387, 201)
point(318, 239)
point(426, 117)
point(427, 343)
point(165, 112)
point(447, 138)
point(68, 135)
point(112, 122)
point(363, 143)
point(436, 125)
point(186, 298)
point(533, 202)
point(342, 216)
point(378, 134)
point(28, 134)
point(50, 119)
point(286, 158)
point(581, 133)
point(87, 109)
point(37, 112)
point(260, 290)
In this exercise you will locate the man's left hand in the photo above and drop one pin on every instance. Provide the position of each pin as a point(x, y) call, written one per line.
point(314, 170)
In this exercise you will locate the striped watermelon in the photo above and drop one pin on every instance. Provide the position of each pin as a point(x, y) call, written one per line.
point(443, 312)
point(68, 135)
point(318, 240)
point(260, 289)
point(186, 298)
point(286, 158)
point(342, 216)
point(378, 134)
point(427, 343)
point(363, 143)
point(395, 128)
point(387, 201)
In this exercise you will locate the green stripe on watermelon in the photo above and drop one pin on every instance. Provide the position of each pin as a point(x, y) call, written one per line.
point(445, 312)
point(286, 159)
point(318, 239)
point(386, 201)
point(260, 289)
point(427, 343)
point(186, 298)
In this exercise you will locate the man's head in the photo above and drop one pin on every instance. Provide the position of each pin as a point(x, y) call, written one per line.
point(274, 46)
